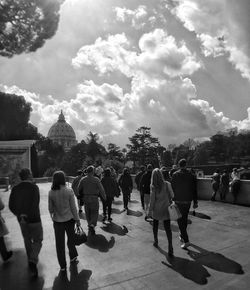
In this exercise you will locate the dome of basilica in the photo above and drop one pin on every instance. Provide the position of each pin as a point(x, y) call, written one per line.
point(62, 133)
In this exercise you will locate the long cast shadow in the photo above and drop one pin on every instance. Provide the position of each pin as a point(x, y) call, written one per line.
point(117, 202)
point(77, 281)
point(215, 261)
point(200, 215)
point(189, 269)
point(133, 201)
point(117, 211)
point(15, 274)
point(100, 243)
point(82, 216)
point(134, 213)
point(174, 227)
point(115, 229)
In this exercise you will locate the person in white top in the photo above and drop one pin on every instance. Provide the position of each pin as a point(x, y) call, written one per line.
point(63, 211)
point(160, 199)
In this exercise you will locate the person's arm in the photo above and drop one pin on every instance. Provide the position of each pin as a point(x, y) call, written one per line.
point(101, 190)
point(170, 190)
point(12, 205)
point(152, 199)
point(73, 208)
point(79, 190)
point(50, 205)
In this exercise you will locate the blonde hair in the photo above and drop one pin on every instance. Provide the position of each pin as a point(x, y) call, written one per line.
point(157, 179)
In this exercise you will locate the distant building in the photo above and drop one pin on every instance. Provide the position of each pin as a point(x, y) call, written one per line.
point(62, 133)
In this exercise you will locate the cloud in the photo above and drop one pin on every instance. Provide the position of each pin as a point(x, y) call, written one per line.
point(221, 26)
point(137, 17)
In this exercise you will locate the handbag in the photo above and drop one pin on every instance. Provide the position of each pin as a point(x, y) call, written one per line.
point(174, 212)
point(80, 236)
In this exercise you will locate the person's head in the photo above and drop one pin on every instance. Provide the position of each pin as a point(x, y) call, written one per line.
point(149, 167)
point(174, 166)
point(142, 168)
point(58, 180)
point(90, 170)
point(125, 171)
point(107, 172)
point(157, 179)
point(235, 170)
point(165, 173)
point(182, 163)
point(25, 174)
point(217, 170)
point(79, 172)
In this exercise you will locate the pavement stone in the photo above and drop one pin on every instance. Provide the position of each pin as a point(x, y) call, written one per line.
point(122, 256)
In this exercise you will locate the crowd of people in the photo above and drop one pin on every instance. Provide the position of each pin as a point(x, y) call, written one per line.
point(158, 189)
point(223, 183)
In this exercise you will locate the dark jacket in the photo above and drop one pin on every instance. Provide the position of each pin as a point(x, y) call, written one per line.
point(110, 186)
point(24, 200)
point(138, 178)
point(145, 182)
point(184, 186)
point(75, 184)
point(125, 182)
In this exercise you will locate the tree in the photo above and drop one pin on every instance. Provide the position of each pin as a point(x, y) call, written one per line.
point(14, 118)
point(167, 159)
point(25, 25)
point(74, 159)
point(93, 147)
point(201, 155)
point(144, 147)
point(114, 152)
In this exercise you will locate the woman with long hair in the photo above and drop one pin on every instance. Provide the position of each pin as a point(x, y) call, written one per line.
point(160, 199)
point(63, 211)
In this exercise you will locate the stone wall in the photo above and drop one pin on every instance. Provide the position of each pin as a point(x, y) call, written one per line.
point(204, 188)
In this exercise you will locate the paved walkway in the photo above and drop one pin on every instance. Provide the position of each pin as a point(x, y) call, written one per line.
point(121, 255)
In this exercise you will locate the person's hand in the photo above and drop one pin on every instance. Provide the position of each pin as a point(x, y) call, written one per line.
point(195, 205)
point(78, 223)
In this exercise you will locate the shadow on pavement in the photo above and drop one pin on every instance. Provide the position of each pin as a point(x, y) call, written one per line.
point(83, 217)
point(115, 229)
point(77, 281)
point(215, 261)
point(117, 202)
point(15, 274)
point(134, 213)
point(117, 211)
point(133, 201)
point(200, 215)
point(189, 269)
point(100, 243)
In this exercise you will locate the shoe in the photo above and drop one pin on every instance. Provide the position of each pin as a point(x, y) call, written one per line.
point(104, 219)
point(33, 269)
point(80, 210)
point(184, 246)
point(110, 219)
point(74, 261)
point(146, 218)
point(181, 239)
point(155, 244)
point(92, 231)
point(8, 256)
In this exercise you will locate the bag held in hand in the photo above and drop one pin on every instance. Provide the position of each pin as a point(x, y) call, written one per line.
point(174, 212)
point(80, 236)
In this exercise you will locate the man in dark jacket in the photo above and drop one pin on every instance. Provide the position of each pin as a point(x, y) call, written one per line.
point(145, 188)
point(74, 186)
point(24, 204)
point(138, 181)
point(184, 187)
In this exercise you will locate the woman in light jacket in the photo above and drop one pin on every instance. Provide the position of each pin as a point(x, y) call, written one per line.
point(63, 211)
point(160, 199)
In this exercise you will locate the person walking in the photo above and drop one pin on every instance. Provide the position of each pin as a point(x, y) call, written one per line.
point(224, 184)
point(126, 184)
point(63, 212)
point(110, 187)
point(74, 186)
point(5, 254)
point(24, 204)
point(215, 183)
point(138, 181)
point(145, 189)
point(185, 191)
point(160, 198)
point(90, 188)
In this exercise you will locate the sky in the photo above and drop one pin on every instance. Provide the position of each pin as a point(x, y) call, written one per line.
point(180, 67)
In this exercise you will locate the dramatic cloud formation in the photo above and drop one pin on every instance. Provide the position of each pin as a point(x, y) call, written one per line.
point(217, 25)
point(139, 63)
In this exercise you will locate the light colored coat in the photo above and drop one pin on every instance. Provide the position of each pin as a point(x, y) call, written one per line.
point(159, 202)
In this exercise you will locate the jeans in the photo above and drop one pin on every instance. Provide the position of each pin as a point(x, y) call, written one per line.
point(60, 228)
point(91, 211)
point(107, 204)
point(182, 222)
point(167, 227)
point(33, 237)
point(125, 194)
